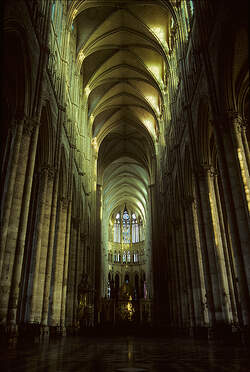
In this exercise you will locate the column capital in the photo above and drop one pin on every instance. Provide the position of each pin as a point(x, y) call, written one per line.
point(29, 124)
point(48, 169)
point(64, 202)
point(205, 170)
point(187, 201)
point(230, 117)
point(20, 118)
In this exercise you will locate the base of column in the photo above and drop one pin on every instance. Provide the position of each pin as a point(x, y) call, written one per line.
point(245, 336)
point(72, 331)
point(9, 335)
point(229, 333)
point(63, 331)
point(201, 332)
point(45, 332)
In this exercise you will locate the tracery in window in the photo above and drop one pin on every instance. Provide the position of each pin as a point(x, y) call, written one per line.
point(125, 226)
point(53, 10)
point(135, 256)
point(128, 256)
point(124, 257)
point(135, 229)
point(117, 229)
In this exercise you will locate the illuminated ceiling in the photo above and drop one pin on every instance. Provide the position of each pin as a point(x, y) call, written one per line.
point(121, 50)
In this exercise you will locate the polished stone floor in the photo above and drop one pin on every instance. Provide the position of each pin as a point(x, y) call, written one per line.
point(125, 354)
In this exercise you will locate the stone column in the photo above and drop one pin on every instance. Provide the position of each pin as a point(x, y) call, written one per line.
point(71, 274)
point(14, 220)
point(210, 243)
point(239, 180)
point(229, 264)
point(174, 282)
point(171, 283)
point(79, 267)
point(194, 265)
point(155, 250)
point(51, 239)
point(59, 264)
point(65, 272)
point(182, 275)
point(237, 129)
point(178, 276)
point(83, 238)
point(188, 258)
point(98, 251)
point(40, 276)
point(17, 130)
point(219, 254)
point(235, 210)
point(236, 206)
point(13, 302)
point(35, 291)
point(201, 268)
point(246, 146)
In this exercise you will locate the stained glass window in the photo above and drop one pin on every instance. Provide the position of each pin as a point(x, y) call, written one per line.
point(125, 227)
point(136, 259)
point(191, 7)
point(117, 229)
point(53, 11)
point(128, 256)
point(135, 229)
point(124, 257)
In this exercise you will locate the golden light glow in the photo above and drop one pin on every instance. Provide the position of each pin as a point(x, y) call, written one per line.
point(81, 56)
point(153, 101)
point(244, 177)
point(149, 124)
point(160, 33)
point(87, 90)
point(213, 218)
point(130, 308)
point(94, 144)
point(74, 13)
point(156, 72)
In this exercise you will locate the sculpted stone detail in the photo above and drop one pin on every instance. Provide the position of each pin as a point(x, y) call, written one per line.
point(64, 202)
point(29, 125)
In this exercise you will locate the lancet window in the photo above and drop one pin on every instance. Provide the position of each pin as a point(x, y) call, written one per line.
point(117, 229)
point(125, 227)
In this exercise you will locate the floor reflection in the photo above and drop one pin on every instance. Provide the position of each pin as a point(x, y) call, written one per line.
point(126, 354)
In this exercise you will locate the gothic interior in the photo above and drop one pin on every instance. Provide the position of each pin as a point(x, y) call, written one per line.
point(125, 188)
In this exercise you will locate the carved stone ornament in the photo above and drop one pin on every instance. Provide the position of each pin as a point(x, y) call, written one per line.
point(29, 125)
point(229, 118)
point(64, 203)
point(206, 169)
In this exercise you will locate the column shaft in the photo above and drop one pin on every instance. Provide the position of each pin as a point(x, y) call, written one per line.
point(71, 275)
point(209, 233)
point(51, 240)
point(59, 265)
point(44, 250)
point(66, 266)
point(35, 292)
point(7, 198)
point(201, 268)
point(219, 255)
point(194, 266)
point(13, 224)
point(23, 228)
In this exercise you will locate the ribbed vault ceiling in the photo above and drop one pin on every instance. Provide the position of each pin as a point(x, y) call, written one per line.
point(121, 50)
